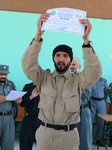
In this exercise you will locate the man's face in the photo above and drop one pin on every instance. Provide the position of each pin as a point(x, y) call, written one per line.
point(3, 78)
point(61, 61)
point(74, 66)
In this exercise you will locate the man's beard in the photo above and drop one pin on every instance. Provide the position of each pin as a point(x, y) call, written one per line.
point(60, 69)
point(2, 80)
point(75, 70)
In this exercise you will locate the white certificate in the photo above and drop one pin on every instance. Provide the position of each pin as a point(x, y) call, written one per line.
point(65, 20)
point(14, 95)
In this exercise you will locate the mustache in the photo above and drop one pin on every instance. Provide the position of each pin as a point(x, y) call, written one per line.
point(2, 80)
point(61, 62)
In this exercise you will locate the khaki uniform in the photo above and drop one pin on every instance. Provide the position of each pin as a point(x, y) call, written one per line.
point(59, 97)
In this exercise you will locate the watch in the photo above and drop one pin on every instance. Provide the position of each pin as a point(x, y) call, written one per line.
point(87, 45)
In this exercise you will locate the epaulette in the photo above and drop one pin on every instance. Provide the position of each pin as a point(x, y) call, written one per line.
point(11, 83)
point(103, 79)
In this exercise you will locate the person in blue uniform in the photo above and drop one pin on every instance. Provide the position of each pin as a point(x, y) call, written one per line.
point(99, 99)
point(7, 125)
point(85, 124)
point(30, 121)
point(110, 96)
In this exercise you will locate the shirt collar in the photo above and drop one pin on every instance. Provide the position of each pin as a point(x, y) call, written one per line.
point(67, 74)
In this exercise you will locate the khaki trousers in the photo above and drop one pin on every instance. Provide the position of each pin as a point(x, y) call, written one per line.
point(50, 139)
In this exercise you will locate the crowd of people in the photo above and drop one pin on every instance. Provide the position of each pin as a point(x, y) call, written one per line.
point(60, 106)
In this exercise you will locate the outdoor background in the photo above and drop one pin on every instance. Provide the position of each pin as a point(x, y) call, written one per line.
point(18, 29)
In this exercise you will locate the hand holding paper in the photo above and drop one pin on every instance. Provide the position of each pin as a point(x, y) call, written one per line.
point(13, 95)
point(65, 20)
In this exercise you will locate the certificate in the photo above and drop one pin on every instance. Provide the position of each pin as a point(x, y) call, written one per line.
point(13, 95)
point(65, 20)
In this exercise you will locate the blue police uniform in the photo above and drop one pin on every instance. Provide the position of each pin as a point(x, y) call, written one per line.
point(30, 121)
point(85, 125)
point(110, 96)
point(99, 98)
point(7, 126)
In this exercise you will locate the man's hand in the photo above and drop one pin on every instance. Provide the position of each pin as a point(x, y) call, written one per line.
point(87, 30)
point(42, 19)
point(34, 93)
point(2, 99)
point(18, 101)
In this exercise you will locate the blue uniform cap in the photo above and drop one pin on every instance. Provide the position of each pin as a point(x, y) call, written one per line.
point(4, 69)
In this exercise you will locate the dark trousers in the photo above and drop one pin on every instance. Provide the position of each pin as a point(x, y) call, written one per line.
point(27, 132)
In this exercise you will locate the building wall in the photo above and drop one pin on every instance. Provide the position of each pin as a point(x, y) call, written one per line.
point(95, 9)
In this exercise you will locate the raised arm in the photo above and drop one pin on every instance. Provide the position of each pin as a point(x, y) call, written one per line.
point(92, 67)
point(30, 64)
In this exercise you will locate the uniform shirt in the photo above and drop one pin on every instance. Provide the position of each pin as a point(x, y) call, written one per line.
point(110, 91)
point(60, 94)
point(4, 91)
point(99, 89)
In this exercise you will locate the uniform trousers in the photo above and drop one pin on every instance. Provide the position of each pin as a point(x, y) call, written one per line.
point(85, 129)
point(27, 132)
point(98, 107)
point(51, 139)
point(7, 132)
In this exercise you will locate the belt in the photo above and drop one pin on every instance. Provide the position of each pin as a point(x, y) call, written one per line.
point(6, 113)
point(59, 127)
point(98, 99)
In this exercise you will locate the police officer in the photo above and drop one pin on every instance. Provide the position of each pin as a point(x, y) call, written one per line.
point(30, 121)
point(7, 126)
point(110, 96)
point(99, 99)
point(60, 90)
point(85, 124)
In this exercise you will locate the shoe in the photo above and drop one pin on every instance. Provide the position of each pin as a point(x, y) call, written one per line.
point(100, 143)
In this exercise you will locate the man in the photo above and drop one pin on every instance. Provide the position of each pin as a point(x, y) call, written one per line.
point(7, 126)
point(85, 124)
point(75, 65)
point(60, 91)
point(110, 96)
point(30, 121)
point(99, 99)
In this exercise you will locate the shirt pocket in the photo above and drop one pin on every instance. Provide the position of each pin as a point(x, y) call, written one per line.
point(47, 98)
point(72, 103)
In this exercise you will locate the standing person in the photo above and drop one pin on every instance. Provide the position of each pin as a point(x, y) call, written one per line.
point(110, 96)
point(60, 90)
point(30, 121)
point(7, 125)
point(85, 124)
point(98, 106)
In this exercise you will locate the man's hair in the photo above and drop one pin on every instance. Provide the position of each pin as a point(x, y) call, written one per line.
point(78, 60)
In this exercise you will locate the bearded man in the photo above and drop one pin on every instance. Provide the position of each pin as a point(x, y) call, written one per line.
point(60, 91)
point(7, 125)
